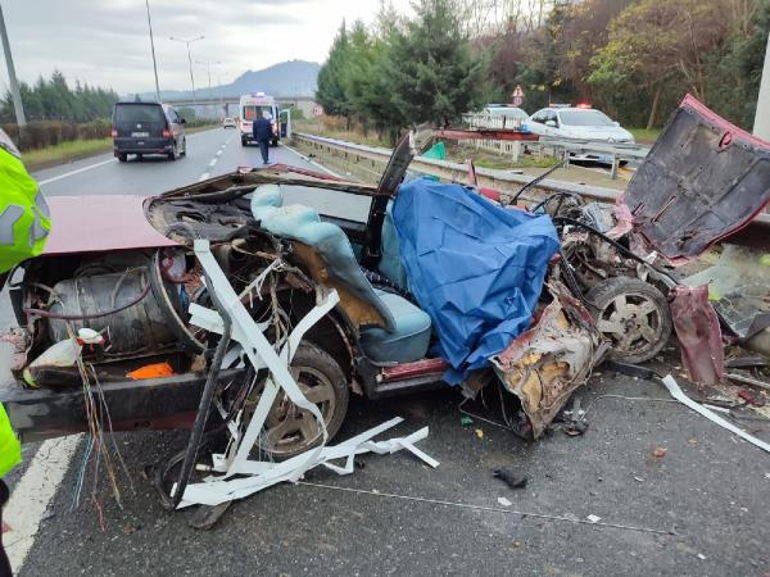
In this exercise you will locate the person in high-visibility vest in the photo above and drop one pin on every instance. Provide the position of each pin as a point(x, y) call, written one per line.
point(25, 222)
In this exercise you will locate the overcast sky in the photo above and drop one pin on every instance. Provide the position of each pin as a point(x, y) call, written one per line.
point(106, 42)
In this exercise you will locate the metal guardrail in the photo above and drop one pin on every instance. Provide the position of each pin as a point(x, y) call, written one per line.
point(755, 234)
point(615, 153)
point(505, 181)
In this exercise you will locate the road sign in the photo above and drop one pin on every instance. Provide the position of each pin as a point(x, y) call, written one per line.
point(517, 97)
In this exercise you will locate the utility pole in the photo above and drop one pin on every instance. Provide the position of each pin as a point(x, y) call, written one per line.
point(18, 106)
point(152, 48)
point(762, 118)
point(189, 60)
point(208, 65)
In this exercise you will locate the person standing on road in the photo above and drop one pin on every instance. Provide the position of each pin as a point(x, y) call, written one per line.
point(25, 222)
point(263, 134)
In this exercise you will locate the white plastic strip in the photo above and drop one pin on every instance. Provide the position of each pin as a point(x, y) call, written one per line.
point(216, 490)
point(677, 393)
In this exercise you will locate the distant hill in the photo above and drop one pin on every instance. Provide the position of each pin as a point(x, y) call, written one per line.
point(292, 78)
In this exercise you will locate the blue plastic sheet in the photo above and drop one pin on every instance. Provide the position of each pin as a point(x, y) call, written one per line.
point(476, 268)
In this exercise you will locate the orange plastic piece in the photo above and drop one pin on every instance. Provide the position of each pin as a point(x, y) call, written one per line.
point(153, 371)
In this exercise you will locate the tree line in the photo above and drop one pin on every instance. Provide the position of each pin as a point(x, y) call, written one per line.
point(54, 99)
point(635, 59)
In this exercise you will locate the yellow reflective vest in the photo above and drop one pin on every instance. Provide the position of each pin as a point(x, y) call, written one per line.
point(25, 219)
point(25, 222)
point(10, 448)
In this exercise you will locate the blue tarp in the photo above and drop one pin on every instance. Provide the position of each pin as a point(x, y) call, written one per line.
point(476, 268)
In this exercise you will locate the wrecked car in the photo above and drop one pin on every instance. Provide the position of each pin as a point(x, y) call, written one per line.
point(415, 304)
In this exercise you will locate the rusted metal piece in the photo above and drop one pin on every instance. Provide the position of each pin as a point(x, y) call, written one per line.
point(511, 135)
point(704, 180)
point(543, 366)
point(700, 338)
point(416, 369)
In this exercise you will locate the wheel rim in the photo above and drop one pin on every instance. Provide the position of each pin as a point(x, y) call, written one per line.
point(290, 429)
point(633, 322)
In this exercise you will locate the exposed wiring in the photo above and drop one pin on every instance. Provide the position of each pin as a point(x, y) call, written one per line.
point(506, 511)
point(624, 397)
point(89, 316)
point(535, 181)
point(614, 243)
point(478, 417)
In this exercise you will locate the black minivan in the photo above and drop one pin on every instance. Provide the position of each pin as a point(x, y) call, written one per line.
point(147, 128)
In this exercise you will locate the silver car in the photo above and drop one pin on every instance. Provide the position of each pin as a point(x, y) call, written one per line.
point(578, 123)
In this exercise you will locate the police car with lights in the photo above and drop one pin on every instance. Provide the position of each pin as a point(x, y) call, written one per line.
point(578, 122)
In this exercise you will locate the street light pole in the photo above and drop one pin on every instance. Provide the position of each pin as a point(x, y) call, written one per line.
point(762, 118)
point(189, 59)
point(152, 48)
point(208, 65)
point(18, 106)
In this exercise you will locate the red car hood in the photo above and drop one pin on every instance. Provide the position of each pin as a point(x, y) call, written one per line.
point(704, 179)
point(100, 223)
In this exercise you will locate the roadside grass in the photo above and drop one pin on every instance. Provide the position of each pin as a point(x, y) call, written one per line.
point(64, 152)
point(644, 135)
point(76, 150)
point(354, 136)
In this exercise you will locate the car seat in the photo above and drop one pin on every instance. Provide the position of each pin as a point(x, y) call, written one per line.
point(404, 333)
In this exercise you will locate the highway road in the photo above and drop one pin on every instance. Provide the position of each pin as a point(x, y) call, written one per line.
point(710, 491)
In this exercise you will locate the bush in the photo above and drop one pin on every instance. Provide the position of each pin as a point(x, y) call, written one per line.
point(43, 133)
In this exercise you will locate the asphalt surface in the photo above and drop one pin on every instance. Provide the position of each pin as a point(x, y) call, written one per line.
point(707, 495)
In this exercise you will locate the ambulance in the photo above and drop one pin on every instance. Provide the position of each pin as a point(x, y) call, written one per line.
point(252, 106)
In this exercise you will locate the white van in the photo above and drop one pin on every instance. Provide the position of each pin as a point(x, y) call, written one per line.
point(252, 106)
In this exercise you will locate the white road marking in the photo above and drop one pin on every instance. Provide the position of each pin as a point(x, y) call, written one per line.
point(95, 165)
point(204, 176)
point(33, 494)
point(213, 163)
point(220, 151)
point(74, 172)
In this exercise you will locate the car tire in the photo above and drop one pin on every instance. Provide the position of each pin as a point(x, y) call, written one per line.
point(174, 154)
point(312, 367)
point(244, 142)
point(184, 148)
point(633, 315)
point(139, 157)
point(274, 142)
point(122, 157)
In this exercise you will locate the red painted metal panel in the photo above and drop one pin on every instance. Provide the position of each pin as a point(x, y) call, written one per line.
point(100, 223)
point(487, 135)
point(415, 369)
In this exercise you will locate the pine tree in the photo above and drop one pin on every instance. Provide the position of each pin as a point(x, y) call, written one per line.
point(330, 91)
point(434, 74)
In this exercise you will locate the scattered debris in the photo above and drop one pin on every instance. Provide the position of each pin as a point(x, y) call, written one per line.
point(466, 421)
point(594, 518)
point(514, 479)
point(575, 423)
point(748, 381)
point(677, 393)
point(660, 452)
point(504, 502)
point(751, 398)
point(480, 434)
